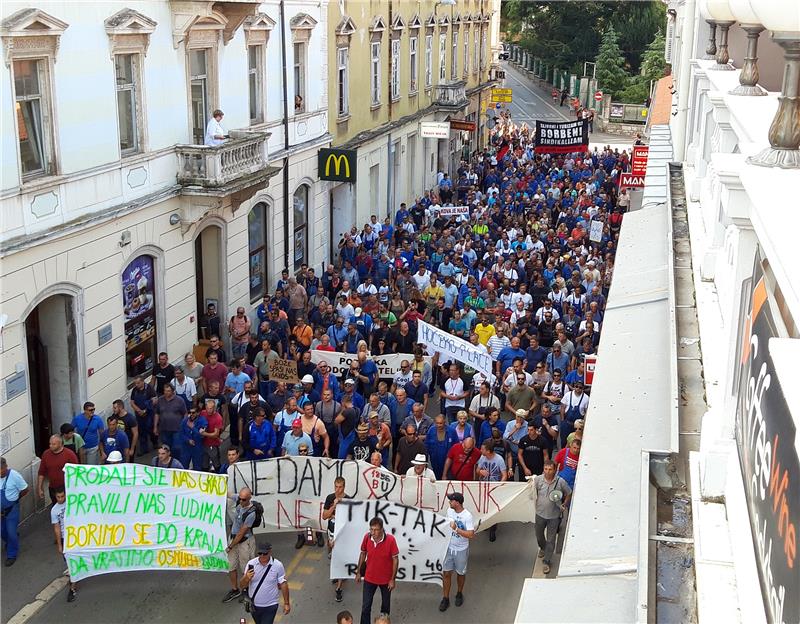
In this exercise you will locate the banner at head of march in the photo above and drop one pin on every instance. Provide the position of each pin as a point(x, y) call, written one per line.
point(422, 538)
point(451, 347)
point(293, 490)
point(128, 517)
point(283, 370)
point(554, 137)
point(387, 365)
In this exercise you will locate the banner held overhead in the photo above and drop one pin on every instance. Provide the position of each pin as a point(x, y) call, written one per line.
point(561, 137)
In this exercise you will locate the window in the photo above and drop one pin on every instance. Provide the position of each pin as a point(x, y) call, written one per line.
point(30, 84)
point(300, 226)
point(255, 72)
point(198, 70)
point(428, 61)
point(139, 305)
point(442, 57)
point(475, 49)
point(126, 67)
point(412, 47)
point(376, 73)
point(466, 52)
point(454, 55)
point(299, 77)
point(257, 246)
point(395, 69)
point(343, 80)
point(483, 48)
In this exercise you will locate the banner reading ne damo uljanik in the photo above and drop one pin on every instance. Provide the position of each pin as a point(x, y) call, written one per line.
point(128, 517)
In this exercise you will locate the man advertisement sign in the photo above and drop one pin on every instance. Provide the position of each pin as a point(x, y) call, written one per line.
point(339, 165)
point(561, 137)
point(767, 441)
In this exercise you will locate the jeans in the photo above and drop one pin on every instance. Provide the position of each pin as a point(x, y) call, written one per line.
point(264, 615)
point(92, 455)
point(367, 597)
point(211, 458)
point(172, 440)
point(145, 424)
point(239, 349)
point(546, 534)
point(9, 530)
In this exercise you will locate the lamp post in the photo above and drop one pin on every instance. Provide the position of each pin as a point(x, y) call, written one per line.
point(783, 19)
point(720, 12)
point(748, 77)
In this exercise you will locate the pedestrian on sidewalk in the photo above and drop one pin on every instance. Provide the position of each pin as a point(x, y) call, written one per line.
point(52, 467)
point(552, 495)
point(377, 565)
point(57, 520)
point(264, 581)
point(12, 489)
point(463, 527)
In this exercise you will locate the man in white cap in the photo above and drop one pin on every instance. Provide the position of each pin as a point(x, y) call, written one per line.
point(419, 468)
point(310, 394)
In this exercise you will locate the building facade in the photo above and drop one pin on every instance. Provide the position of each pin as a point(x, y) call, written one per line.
point(392, 67)
point(119, 226)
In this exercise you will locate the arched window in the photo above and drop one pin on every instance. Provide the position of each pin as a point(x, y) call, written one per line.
point(139, 305)
point(300, 226)
point(257, 244)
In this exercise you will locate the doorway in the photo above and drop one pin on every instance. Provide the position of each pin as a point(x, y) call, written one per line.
point(342, 216)
point(51, 340)
point(208, 262)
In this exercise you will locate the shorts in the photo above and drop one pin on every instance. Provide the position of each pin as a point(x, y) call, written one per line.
point(456, 560)
point(240, 554)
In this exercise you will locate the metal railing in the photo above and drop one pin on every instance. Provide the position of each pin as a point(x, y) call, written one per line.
point(245, 153)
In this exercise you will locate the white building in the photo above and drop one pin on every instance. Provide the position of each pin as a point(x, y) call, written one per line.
point(118, 226)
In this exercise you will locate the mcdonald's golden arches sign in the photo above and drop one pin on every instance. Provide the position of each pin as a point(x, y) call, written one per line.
point(337, 164)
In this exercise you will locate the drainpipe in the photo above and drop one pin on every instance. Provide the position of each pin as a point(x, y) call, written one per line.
point(285, 139)
point(390, 181)
point(687, 50)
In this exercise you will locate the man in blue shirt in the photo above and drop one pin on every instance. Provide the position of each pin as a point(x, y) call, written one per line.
point(12, 488)
point(534, 355)
point(113, 439)
point(507, 356)
point(234, 382)
point(89, 426)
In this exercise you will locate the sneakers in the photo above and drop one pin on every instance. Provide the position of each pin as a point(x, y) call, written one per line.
point(444, 604)
point(300, 541)
point(459, 599)
point(339, 595)
point(10, 562)
point(71, 595)
point(546, 568)
point(541, 554)
point(234, 593)
point(320, 540)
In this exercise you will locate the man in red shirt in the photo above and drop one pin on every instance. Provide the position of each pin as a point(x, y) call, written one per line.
point(461, 460)
point(211, 436)
point(380, 553)
point(52, 467)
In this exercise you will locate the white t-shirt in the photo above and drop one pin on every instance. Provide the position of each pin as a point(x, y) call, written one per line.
point(428, 474)
point(463, 521)
point(422, 281)
point(456, 388)
point(57, 516)
point(401, 379)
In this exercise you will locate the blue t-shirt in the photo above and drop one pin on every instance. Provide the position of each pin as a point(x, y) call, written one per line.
point(236, 382)
point(506, 357)
point(114, 442)
point(89, 429)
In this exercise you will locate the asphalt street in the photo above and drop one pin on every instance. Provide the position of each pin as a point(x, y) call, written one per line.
point(494, 580)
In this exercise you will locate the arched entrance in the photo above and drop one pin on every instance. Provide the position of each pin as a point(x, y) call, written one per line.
point(209, 262)
point(54, 374)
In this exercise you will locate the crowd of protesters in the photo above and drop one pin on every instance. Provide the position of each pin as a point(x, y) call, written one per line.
point(516, 274)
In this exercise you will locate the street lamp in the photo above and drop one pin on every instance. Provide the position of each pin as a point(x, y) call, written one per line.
point(783, 19)
point(748, 20)
point(720, 12)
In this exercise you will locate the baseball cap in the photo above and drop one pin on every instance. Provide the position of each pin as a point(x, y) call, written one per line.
point(522, 413)
point(263, 548)
point(456, 496)
point(349, 382)
point(358, 311)
point(297, 423)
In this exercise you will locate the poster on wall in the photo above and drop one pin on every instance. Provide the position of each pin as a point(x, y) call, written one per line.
point(138, 292)
point(766, 437)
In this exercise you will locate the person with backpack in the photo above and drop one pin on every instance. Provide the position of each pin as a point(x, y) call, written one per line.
point(242, 546)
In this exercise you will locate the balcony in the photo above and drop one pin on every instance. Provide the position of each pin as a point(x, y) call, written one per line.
point(451, 95)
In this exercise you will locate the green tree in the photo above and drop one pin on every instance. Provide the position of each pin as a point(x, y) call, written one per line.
point(611, 75)
point(653, 65)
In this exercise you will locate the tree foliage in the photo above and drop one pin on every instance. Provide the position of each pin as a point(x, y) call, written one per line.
point(611, 74)
point(653, 65)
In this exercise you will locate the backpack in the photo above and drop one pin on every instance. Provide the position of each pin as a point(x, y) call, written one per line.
point(258, 509)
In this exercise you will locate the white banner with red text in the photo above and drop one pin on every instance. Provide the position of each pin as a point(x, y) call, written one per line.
point(387, 365)
point(293, 490)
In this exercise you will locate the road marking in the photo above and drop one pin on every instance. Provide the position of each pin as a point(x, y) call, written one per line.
point(295, 561)
point(315, 555)
point(42, 598)
point(295, 585)
point(305, 570)
point(537, 96)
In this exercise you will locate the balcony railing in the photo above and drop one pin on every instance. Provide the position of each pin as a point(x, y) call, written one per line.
point(451, 94)
point(244, 154)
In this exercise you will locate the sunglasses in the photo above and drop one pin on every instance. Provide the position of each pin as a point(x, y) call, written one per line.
point(303, 450)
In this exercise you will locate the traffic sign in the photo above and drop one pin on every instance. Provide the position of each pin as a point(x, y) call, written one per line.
point(502, 95)
point(598, 95)
point(497, 106)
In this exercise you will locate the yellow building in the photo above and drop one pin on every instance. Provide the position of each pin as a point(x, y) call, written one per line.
point(395, 66)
